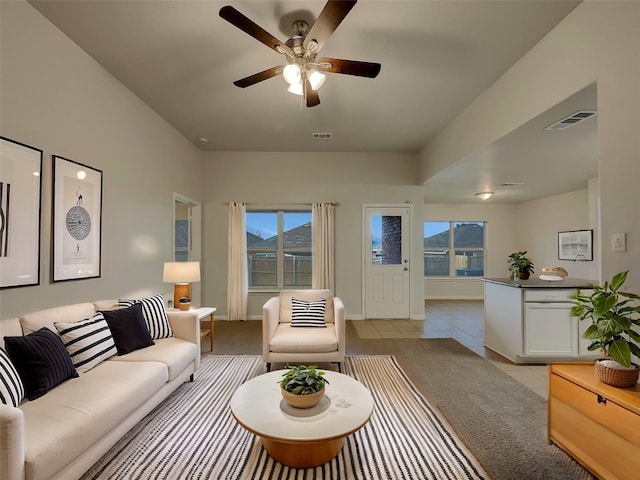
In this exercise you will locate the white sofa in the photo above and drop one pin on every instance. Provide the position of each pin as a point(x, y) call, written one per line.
point(283, 343)
point(63, 433)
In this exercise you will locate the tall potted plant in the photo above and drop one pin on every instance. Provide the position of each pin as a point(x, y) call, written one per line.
point(522, 265)
point(613, 315)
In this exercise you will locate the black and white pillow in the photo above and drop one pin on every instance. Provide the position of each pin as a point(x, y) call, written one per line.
point(11, 387)
point(41, 361)
point(308, 314)
point(154, 314)
point(88, 342)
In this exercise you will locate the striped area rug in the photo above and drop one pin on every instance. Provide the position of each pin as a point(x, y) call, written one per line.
point(192, 434)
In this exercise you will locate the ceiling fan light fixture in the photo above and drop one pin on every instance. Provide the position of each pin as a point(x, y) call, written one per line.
point(484, 195)
point(292, 73)
point(316, 78)
point(296, 89)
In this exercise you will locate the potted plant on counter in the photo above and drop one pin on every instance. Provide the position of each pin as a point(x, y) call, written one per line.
point(302, 386)
point(522, 265)
point(613, 315)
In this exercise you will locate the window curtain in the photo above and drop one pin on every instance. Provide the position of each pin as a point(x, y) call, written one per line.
point(323, 245)
point(237, 281)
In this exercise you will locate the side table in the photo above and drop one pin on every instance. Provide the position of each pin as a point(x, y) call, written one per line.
point(206, 316)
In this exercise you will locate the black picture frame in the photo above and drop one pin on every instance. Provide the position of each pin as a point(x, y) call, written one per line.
point(20, 213)
point(576, 245)
point(77, 220)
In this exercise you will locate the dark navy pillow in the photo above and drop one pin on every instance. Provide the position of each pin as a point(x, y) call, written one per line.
point(41, 361)
point(128, 328)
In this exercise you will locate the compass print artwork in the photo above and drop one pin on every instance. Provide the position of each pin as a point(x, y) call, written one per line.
point(77, 223)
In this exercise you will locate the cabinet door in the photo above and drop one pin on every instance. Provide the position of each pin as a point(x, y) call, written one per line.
point(550, 330)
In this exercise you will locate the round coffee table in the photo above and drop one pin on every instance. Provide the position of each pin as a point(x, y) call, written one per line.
point(302, 438)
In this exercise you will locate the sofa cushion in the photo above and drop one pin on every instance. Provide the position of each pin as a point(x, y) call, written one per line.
point(128, 328)
point(41, 360)
point(307, 314)
point(59, 426)
point(11, 387)
point(287, 339)
point(173, 352)
point(33, 322)
point(89, 342)
point(306, 295)
point(154, 314)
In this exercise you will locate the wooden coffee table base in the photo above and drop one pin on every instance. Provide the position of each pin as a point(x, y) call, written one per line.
point(303, 455)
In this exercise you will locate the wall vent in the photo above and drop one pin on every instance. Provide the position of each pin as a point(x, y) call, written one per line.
point(322, 136)
point(571, 120)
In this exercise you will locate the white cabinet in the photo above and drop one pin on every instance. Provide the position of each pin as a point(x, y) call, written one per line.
point(533, 324)
point(550, 330)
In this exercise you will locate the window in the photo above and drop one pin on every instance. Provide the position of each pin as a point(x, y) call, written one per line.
point(454, 249)
point(279, 249)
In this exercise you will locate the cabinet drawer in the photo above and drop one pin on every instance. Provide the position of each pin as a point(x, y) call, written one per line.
point(549, 294)
point(603, 411)
point(605, 454)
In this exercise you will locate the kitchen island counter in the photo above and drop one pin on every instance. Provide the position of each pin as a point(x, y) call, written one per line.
point(536, 282)
point(530, 321)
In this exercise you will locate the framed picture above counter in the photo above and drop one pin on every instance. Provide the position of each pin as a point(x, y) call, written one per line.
point(575, 245)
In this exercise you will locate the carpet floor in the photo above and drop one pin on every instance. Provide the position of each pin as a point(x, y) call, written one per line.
point(193, 435)
point(502, 422)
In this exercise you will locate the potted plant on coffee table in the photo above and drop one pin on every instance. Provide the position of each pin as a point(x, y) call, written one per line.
point(522, 265)
point(302, 386)
point(613, 315)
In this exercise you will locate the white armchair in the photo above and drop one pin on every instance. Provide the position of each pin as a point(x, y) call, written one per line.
point(283, 343)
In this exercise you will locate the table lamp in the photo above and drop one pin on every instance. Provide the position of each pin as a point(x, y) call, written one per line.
point(181, 274)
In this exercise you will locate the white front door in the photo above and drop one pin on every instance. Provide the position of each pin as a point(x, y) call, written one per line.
point(387, 259)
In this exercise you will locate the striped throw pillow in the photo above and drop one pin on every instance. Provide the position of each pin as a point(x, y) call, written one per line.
point(88, 342)
point(154, 314)
point(11, 387)
point(308, 314)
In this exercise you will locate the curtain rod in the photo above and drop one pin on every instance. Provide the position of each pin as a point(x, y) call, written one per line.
point(285, 203)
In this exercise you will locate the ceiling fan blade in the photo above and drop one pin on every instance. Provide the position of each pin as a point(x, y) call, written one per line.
point(310, 95)
point(258, 77)
point(349, 67)
point(251, 28)
point(330, 17)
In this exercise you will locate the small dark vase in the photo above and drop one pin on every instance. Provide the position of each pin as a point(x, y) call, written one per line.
point(523, 275)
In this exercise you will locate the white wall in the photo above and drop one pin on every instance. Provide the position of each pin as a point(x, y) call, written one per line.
point(596, 42)
point(57, 98)
point(274, 179)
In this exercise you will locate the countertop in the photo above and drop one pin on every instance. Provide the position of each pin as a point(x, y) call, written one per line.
point(535, 282)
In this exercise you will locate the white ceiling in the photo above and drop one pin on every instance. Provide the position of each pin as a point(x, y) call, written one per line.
point(181, 58)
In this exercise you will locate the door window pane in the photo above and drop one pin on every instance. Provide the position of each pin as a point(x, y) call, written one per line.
point(386, 240)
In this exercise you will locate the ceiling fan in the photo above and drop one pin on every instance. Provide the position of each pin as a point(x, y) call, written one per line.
point(302, 71)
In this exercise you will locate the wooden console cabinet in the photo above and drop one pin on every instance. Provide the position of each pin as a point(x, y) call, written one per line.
point(596, 424)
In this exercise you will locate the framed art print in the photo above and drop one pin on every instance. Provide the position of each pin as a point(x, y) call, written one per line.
point(576, 245)
point(77, 220)
point(20, 193)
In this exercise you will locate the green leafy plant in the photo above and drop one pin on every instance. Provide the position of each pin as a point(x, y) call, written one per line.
point(519, 262)
point(303, 380)
point(613, 315)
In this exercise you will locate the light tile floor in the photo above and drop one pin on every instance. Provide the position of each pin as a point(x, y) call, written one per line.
point(462, 320)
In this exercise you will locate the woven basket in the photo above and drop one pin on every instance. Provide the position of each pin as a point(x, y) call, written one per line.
point(302, 401)
point(617, 378)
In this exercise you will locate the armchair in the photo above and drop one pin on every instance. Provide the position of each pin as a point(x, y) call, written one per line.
point(301, 344)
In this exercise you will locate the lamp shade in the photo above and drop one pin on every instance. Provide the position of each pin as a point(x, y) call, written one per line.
point(181, 272)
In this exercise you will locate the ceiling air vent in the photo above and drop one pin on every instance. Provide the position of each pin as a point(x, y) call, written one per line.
point(571, 120)
point(322, 136)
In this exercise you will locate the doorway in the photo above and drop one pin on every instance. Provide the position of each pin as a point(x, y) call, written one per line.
point(387, 257)
point(187, 236)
